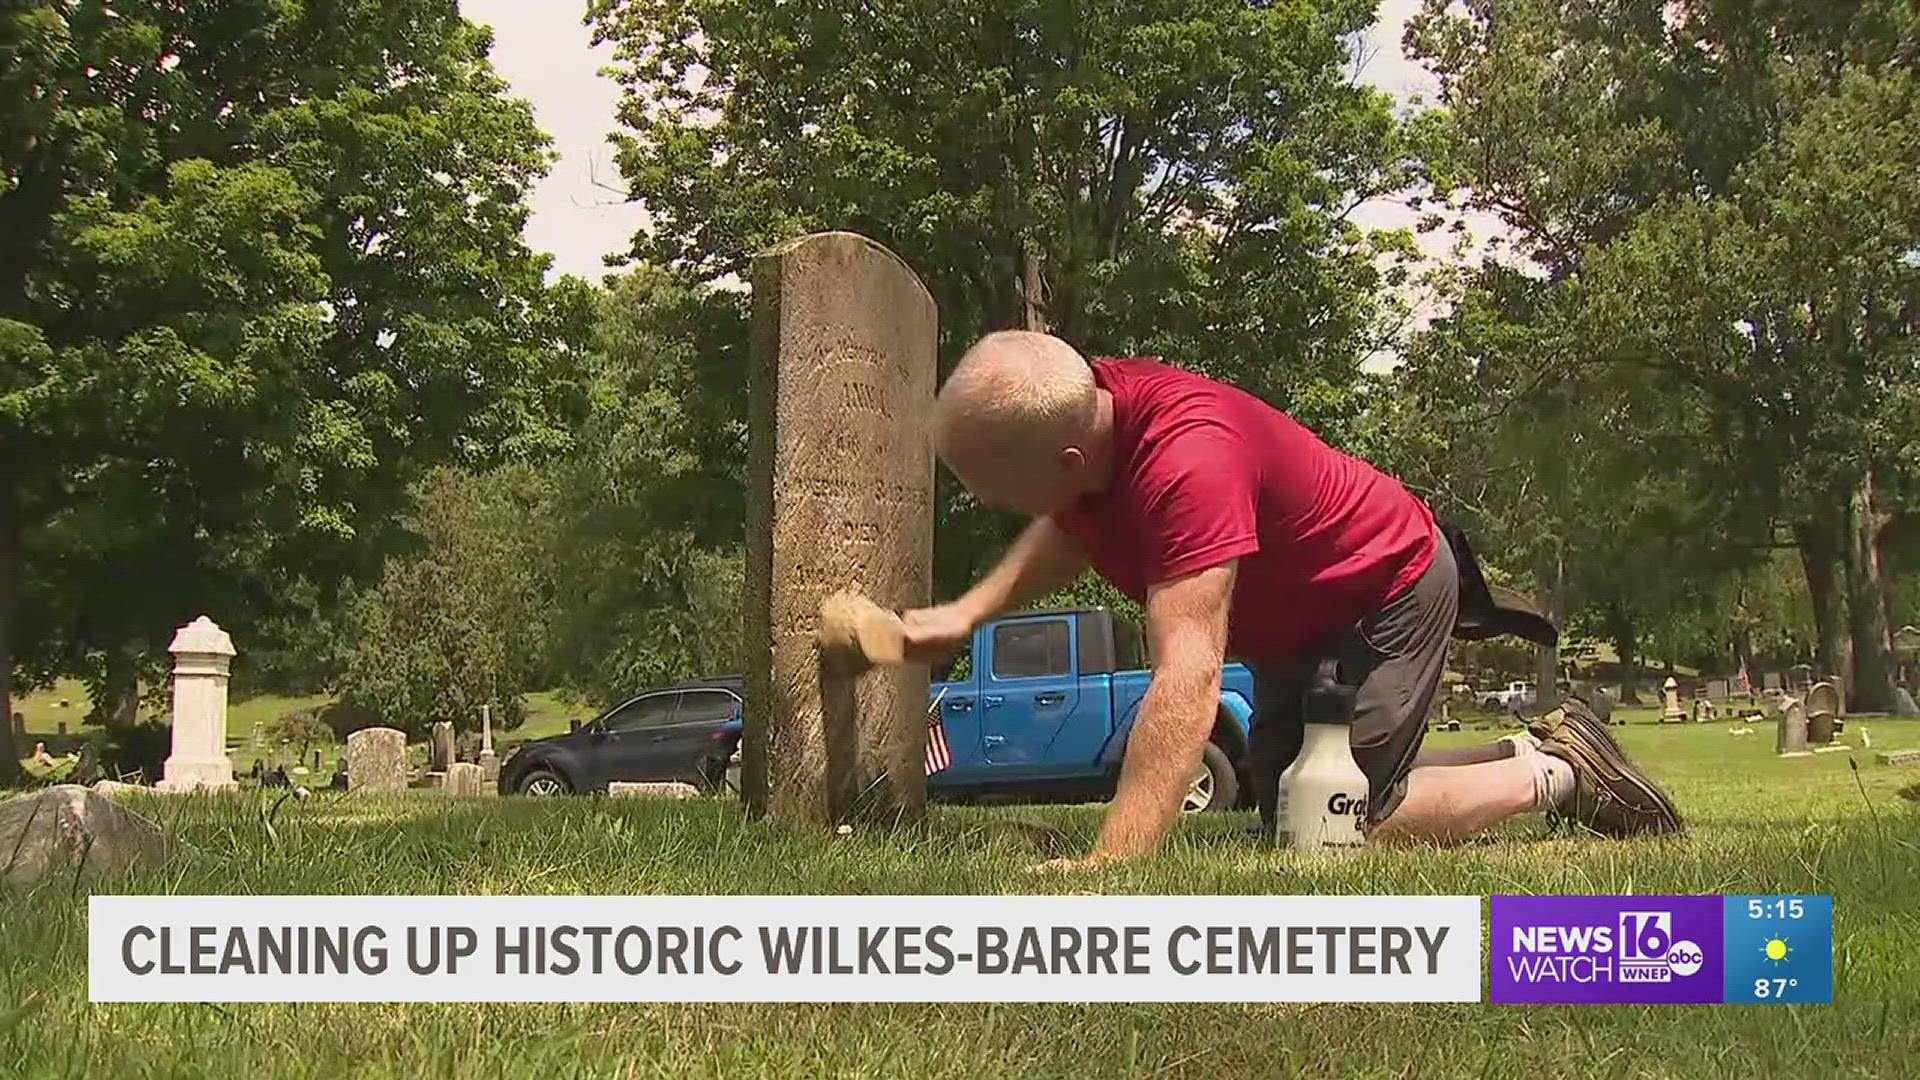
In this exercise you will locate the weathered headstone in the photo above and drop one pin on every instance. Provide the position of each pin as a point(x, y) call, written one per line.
point(489, 761)
point(377, 760)
point(840, 496)
point(1718, 689)
point(19, 728)
point(1898, 757)
point(464, 778)
point(1903, 703)
point(60, 729)
point(1672, 713)
point(202, 663)
point(1790, 738)
point(440, 746)
point(1823, 711)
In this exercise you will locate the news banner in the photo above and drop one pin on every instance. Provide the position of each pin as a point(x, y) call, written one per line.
point(1758, 950)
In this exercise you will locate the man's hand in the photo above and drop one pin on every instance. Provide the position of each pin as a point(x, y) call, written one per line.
point(1187, 624)
point(936, 632)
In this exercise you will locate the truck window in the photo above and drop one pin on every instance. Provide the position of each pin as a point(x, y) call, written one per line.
point(1026, 650)
point(1129, 652)
point(960, 668)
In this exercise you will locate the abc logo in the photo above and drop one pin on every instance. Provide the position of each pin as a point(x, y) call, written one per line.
point(1685, 958)
point(1342, 803)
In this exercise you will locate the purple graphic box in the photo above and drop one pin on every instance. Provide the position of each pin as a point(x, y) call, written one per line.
point(1605, 950)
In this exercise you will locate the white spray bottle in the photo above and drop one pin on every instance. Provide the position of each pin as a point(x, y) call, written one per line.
point(1323, 794)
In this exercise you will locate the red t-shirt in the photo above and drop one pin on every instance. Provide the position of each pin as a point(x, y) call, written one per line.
point(1204, 473)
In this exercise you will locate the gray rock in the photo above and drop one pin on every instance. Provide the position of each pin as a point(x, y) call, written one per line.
point(1903, 704)
point(50, 833)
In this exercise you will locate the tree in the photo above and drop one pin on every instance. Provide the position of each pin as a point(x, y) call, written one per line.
point(1177, 177)
point(1720, 197)
point(260, 267)
point(650, 510)
point(462, 622)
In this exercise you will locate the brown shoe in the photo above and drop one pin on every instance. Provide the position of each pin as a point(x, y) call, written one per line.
point(1611, 795)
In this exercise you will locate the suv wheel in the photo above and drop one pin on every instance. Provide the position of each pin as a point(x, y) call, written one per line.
point(544, 782)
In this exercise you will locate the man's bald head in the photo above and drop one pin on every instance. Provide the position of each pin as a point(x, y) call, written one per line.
point(1015, 419)
point(1016, 390)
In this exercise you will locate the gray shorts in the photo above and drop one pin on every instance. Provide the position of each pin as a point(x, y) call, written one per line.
point(1397, 655)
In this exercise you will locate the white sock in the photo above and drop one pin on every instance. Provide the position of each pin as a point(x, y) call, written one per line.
point(1552, 779)
point(1523, 743)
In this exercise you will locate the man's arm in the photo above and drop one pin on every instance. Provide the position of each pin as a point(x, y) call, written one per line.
point(1045, 557)
point(1187, 624)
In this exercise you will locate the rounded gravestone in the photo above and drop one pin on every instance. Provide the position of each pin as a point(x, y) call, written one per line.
point(1823, 709)
point(377, 760)
point(1790, 737)
point(840, 496)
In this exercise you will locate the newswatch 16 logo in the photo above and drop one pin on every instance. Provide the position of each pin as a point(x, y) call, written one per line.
point(1605, 949)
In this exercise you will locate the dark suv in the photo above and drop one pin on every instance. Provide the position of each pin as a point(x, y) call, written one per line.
point(687, 732)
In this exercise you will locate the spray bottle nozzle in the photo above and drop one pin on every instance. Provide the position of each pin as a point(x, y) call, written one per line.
point(1329, 698)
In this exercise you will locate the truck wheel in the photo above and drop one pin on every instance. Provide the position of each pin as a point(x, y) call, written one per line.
point(1214, 787)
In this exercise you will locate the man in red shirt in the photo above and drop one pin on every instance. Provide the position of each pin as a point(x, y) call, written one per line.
point(1245, 535)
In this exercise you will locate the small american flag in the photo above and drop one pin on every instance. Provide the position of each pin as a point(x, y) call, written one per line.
point(938, 754)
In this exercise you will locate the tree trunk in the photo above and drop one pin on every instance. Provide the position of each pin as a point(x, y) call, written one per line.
point(1551, 578)
point(1033, 307)
point(119, 707)
point(1869, 686)
point(1743, 656)
point(1626, 648)
point(10, 751)
point(1819, 544)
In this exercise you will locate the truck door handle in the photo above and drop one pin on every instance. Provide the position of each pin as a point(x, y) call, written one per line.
point(994, 701)
point(1049, 699)
point(960, 704)
point(994, 740)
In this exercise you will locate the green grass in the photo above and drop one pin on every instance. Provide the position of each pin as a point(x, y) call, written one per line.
point(1758, 825)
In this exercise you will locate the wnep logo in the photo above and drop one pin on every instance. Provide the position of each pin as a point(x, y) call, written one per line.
point(1648, 953)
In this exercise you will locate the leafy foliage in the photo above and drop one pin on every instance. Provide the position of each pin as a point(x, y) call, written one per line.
point(261, 265)
point(462, 623)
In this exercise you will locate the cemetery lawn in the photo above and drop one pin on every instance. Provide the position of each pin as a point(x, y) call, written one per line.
point(1759, 825)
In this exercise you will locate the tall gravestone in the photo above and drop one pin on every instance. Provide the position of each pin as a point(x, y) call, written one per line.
point(202, 665)
point(840, 495)
point(440, 746)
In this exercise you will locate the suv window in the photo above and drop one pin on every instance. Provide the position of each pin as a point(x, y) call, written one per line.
point(712, 706)
point(1027, 650)
point(650, 711)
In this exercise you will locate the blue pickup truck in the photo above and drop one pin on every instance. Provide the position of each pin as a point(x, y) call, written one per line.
point(1036, 709)
point(1040, 706)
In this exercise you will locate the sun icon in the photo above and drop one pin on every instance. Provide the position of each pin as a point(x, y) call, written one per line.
point(1776, 950)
